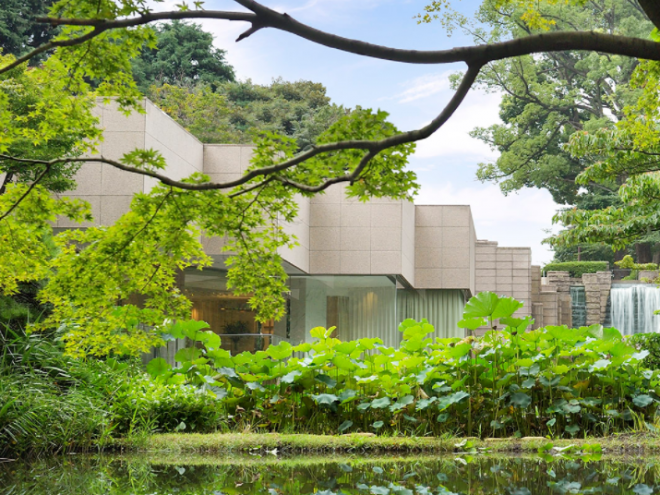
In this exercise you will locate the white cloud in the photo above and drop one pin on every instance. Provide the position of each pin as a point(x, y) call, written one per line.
point(477, 110)
point(517, 220)
point(423, 87)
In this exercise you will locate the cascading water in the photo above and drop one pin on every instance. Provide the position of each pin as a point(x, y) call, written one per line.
point(632, 309)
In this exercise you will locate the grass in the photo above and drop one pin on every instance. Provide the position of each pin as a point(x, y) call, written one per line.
point(219, 443)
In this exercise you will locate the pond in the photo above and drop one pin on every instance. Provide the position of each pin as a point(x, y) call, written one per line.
point(269, 475)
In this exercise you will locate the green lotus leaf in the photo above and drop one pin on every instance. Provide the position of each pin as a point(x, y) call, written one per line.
point(381, 403)
point(345, 426)
point(157, 367)
point(643, 400)
point(520, 399)
point(329, 381)
point(291, 377)
point(377, 425)
point(481, 306)
point(325, 399)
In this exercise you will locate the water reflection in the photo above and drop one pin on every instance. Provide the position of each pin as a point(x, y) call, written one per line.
point(191, 475)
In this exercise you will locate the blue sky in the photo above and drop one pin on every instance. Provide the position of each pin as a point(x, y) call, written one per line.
point(413, 95)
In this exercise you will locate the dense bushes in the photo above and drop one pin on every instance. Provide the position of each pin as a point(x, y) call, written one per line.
point(577, 268)
point(651, 343)
point(51, 403)
point(552, 381)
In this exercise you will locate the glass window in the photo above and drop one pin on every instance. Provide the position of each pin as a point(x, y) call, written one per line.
point(359, 306)
point(443, 308)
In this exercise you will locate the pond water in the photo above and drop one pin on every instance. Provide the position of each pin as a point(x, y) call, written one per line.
point(195, 475)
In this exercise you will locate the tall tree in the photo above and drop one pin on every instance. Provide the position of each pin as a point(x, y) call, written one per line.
point(184, 53)
point(144, 250)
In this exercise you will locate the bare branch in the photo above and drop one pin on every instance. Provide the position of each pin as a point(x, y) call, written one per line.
point(263, 17)
point(373, 147)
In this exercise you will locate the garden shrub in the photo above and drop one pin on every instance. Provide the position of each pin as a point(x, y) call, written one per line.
point(651, 343)
point(550, 381)
point(577, 268)
point(53, 403)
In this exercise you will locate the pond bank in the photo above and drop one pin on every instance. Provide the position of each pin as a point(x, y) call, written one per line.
point(225, 443)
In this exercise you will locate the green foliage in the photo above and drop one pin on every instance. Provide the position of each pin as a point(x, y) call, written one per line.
point(648, 342)
point(53, 403)
point(548, 97)
point(577, 268)
point(235, 112)
point(629, 262)
point(556, 381)
point(184, 53)
point(18, 31)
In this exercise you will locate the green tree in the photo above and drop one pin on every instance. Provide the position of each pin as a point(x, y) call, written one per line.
point(19, 33)
point(142, 252)
point(184, 53)
point(237, 111)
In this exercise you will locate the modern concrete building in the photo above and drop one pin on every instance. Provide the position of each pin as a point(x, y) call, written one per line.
point(362, 267)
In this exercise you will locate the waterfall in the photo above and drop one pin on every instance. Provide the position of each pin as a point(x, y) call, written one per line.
point(632, 309)
point(578, 306)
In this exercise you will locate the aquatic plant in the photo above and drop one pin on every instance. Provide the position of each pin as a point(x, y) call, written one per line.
point(512, 381)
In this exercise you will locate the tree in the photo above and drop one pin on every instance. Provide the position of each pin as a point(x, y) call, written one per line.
point(547, 97)
point(236, 111)
point(141, 253)
point(184, 53)
point(19, 33)
point(630, 150)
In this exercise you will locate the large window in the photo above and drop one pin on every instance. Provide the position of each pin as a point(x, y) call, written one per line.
point(228, 315)
point(443, 308)
point(359, 306)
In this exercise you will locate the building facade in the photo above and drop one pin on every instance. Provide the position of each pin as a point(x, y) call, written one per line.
point(362, 267)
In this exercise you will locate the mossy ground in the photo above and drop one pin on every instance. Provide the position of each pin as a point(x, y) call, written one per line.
point(294, 444)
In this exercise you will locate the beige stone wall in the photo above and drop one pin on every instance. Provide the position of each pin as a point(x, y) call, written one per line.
point(109, 190)
point(506, 271)
point(347, 236)
point(444, 248)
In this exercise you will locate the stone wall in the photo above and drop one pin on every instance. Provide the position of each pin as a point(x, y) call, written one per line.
point(551, 299)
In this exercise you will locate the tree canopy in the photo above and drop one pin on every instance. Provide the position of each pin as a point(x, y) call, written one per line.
point(95, 268)
point(235, 112)
point(183, 54)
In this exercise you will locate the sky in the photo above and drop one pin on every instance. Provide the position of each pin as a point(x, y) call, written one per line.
point(446, 163)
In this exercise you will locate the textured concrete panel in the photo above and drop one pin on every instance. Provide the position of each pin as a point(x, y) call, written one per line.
point(246, 156)
point(428, 258)
point(455, 258)
point(355, 262)
point(173, 136)
point(113, 207)
point(428, 216)
point(222, 159)
point(456, 237)
point(455, 278)
point(325, 215)
point(428, 278)
point(324, 238)
point(115, 120)
point(385, 239)
point(428, 237)
point(386, 215)
point(355, 239)
point(116, 144)
point(386, 262)
point(116, 182)
point(333, 194)
point(88, 179)
point(455, 216)
point(355, 215)
point(324, 262)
